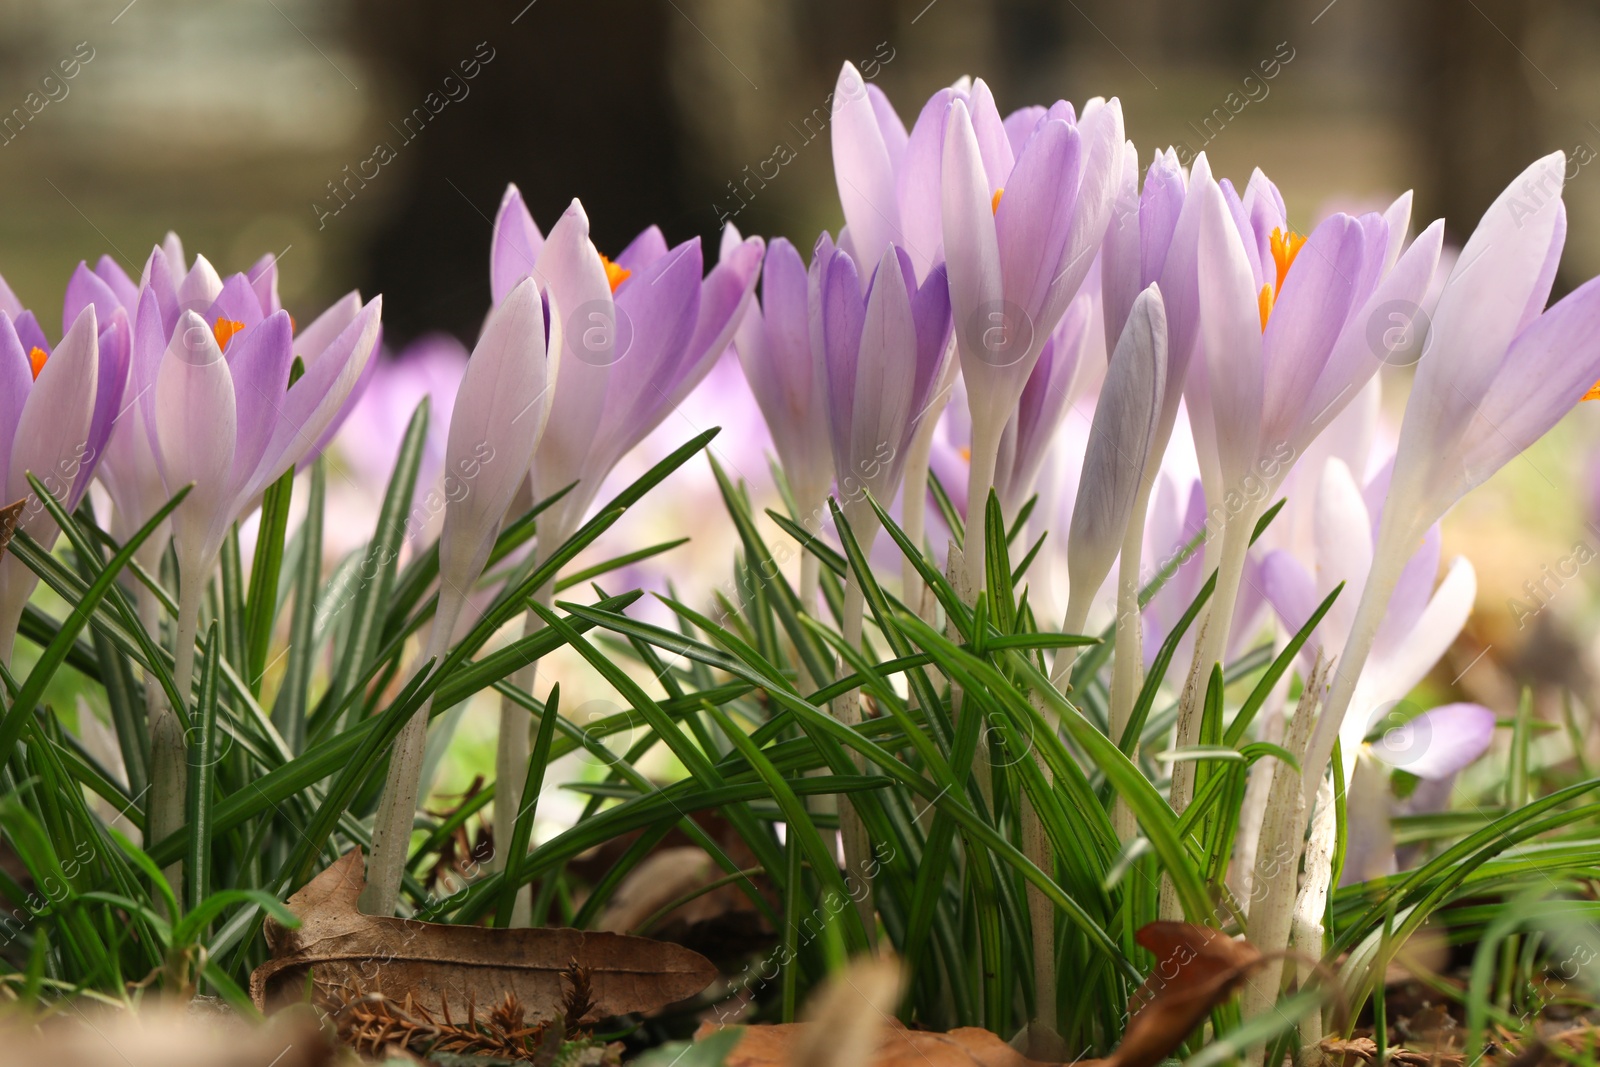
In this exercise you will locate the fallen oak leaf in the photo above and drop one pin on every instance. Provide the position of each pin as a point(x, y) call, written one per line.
point(348, 954)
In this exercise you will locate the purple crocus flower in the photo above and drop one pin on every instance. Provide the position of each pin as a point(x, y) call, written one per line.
point(56, 408)
point(1433, 746)
point(1422, 621)
point(1497, 371)
point(883, 349)
point(1020, 232)
point(775, 346)
point(641, 332)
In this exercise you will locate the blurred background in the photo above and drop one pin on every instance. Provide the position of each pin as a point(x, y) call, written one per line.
point(367, 143)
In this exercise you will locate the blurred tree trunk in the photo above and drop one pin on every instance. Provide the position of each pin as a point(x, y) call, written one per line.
point(1473, 105)
point(575, 102)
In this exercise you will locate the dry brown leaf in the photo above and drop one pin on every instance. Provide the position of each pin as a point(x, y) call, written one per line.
point(10, 516)
point(849, 1015)
point(444, 968)
point(1197, 968)
point(773, 1046)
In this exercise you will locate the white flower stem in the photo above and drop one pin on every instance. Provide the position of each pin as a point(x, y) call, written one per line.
point(1381, 580)
point(1278, 861)
point(397, 807)
point(1311, 907)
point(914, 512)
point(511, 759)
point(169, 757)
point(1041, 912)
point(1127, 664)
point(1211, 647)
point(980, 479)
point(847, 710)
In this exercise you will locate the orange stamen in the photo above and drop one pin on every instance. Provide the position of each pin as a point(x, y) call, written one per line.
point(1264, 301)
point(966, 454)
point(994, 203)
point(36, 357)
point(615, 275)
point(1592, 394)
point(1285, 247)
point(224, 329)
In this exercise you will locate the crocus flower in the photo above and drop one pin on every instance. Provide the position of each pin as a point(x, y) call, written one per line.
point(1053, 387)
point(775, 347)
point(51, 427)
point(1433, 746)
point(1420, 625)
point(640, 334)
point(1291, 329)
point(1020, 231)
point(211, 372)
point(499, 415)
point(1125, 423)
point(883, 351)
point(1497, 371)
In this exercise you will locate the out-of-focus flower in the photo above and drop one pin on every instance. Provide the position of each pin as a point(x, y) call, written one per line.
point(1420, 625)
point(883, 351)
point(48, 419)
point(499, 415)
point(1497, 371)
point(1432, 746)
point(429, 368)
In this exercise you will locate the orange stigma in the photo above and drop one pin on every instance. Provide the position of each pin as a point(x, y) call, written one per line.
point(1592, 394)
point(994, 202)
point(966, 454)
point(1285, 246)
point(615, 275)
point(36, 358)
point(223, 330)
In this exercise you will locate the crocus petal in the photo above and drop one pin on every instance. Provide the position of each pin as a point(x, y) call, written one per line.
point(989, 130)
point(16, 381)
point(237, 302)
point(1020, 125)
point(259, 361)
point(1483, 303)
point(263, 275)
point(85, 288)
point(1125, 422)
point(649, 246)
point(1342, 532)
point(919, 186)
point(1032, 221)
point(313, 340)
point(498, 417)
point(113, 352)
point(972, 257)
point(1369, 835)
point(1397, 219)
point(9, 304)
point(1102, 147)
point(724, 295)
point(1307, 319)
point(515, 245)
point(200, 287)
point(195, 431)
point(842, 313)
point(662, 305)
point(52, 433)
point(1180, 284)
point(1399, 668)
point(1437, 743)
point(863, 170)
point(1290, 590)
point(884, 382)
point(1120, 259)
point(313, 401)
point(1230, 323)
point(894, 133)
